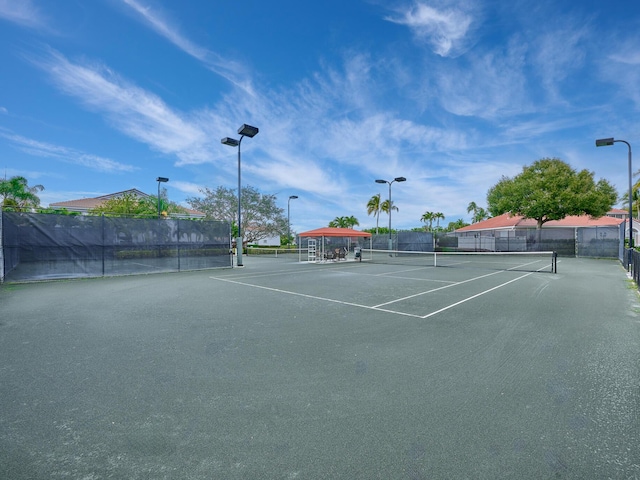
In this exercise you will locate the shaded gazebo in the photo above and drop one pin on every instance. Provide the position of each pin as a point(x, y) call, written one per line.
point(330, 238)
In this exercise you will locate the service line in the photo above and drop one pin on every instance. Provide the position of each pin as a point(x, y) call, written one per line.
point(378, 307)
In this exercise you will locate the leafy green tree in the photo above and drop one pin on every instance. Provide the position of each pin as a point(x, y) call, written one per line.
point(132, 205)
point(58, 211)
point(373, 207)
point(382, 230)
point(18, 195)
point(128, 204)
point(261, 217)
point(550, 189)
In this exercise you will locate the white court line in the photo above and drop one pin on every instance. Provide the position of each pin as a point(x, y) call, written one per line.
point(315, 297)
point(377, 307)
point(436, 289)
point(476, 295)
point(347, 270)
point(413, 269)
point(270, 274)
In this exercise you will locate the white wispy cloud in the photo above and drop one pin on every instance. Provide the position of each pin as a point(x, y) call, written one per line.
point(4, 110)
point(134, 111)
point(446, 29)
point(164, 26)
point(22, 12)
point(486, 84)
point(71, 155)
point(623, 69)
point(558, 52)
point(314, 134)
point(190, 188)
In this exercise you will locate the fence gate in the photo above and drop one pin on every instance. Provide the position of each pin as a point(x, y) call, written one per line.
point(311, 249)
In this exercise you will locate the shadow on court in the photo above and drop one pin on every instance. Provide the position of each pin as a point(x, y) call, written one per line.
point(284, 370)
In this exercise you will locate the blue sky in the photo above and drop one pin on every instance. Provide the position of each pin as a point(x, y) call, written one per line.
point(103, 96)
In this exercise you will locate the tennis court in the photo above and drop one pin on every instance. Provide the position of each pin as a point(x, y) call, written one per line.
point(354, 370)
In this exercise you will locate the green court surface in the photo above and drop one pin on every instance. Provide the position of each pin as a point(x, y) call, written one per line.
point(346, 370)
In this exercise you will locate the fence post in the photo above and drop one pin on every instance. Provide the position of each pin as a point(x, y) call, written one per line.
point(103, 242)
point(1, 249)
point(178, 240)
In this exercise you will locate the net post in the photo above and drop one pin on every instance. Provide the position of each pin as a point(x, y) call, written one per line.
point(554, 262)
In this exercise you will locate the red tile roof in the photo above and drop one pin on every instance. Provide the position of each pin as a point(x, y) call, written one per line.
point(334, 232)
point(508, 221)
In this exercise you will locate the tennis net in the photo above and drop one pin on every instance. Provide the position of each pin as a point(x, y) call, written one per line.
point(517, 261)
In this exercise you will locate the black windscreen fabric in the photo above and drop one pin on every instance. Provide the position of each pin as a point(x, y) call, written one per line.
point(45, 246)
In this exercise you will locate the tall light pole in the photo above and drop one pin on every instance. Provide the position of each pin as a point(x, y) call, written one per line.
point(291, 197)
point(244, 131)
point(160, 180)
point(605, 142)
point(397, 179)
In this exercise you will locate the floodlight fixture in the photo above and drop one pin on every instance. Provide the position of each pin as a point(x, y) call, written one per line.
point(244, 131)
point(291, 197)
point(232, 142)
point(397, 179)
point(248, 131)
point(160, 180)
point(605, 142)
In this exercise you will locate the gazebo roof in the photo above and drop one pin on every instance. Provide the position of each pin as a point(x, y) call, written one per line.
point(334, 232)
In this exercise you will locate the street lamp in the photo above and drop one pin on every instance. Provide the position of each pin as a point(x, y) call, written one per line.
point(160, 180)
point(606, 142)
point(397, 179)
point(291, 197)
point(244, 131)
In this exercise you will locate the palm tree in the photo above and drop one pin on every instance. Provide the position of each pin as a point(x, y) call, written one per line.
point(344, 222)
point(456, 225)
point(472, 207)
point(635, 199)
point(352, 221)
point(384, 206)
point(480, 215)
point(438, 216)
point(338, 222)
point(373, 206)
point(17, 194)
point(428, 217)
